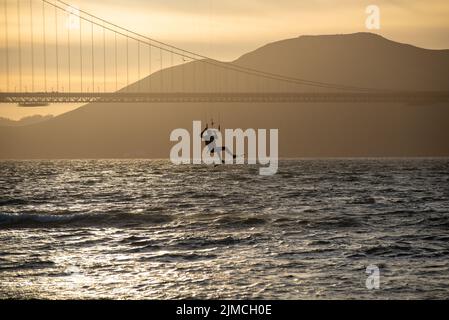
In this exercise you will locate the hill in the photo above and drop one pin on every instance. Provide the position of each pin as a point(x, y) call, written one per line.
point(305, 130)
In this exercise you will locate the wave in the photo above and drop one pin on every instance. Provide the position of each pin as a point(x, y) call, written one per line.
point(238, 221)
point(27, 220)
point(13, 201)
point(178, 257)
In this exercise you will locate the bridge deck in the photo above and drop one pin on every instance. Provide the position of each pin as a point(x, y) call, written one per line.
point(42, 98)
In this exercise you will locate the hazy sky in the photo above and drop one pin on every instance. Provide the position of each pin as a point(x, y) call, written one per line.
point(227, 29)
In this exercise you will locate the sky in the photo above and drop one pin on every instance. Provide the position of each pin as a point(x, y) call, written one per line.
point(227, 29)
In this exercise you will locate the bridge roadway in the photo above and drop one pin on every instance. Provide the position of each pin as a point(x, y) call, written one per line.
point(44, 98)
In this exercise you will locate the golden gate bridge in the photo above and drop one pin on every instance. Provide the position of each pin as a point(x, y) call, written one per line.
point(56, 53)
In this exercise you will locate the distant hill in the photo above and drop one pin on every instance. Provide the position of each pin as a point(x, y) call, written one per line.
point(306, 130)
point(5, 122)
point(359, 59)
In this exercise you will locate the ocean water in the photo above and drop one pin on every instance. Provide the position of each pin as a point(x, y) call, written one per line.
point(136, 229)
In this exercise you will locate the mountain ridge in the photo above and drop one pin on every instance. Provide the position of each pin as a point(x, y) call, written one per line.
point(306, 130)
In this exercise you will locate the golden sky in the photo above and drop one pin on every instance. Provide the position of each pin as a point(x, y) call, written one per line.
point(227, 29)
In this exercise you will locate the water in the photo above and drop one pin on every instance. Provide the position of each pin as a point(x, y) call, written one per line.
point(148, 229)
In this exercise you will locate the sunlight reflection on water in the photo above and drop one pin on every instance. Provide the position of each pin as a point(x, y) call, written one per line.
point(147, 229)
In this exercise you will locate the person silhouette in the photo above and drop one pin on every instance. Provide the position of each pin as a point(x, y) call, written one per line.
point(210, 136)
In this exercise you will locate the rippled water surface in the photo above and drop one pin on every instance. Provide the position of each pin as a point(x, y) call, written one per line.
point(148, 229)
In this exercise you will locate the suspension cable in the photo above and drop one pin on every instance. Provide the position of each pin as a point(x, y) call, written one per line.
point(81, 56)
point(115, 59)
point(104, 59)
point(7, 44)
point(92, 55)
point(138, 65)
point(68, 50)
point(57, 50)
point(32, 45)
point(44, 27)
point(20, 45)
point(234, 67)
point(149, 68)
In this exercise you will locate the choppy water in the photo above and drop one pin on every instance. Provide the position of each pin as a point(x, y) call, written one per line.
point(148, 229)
